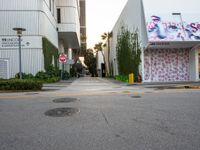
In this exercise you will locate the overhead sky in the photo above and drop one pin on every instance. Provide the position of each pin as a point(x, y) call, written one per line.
point(101, 16)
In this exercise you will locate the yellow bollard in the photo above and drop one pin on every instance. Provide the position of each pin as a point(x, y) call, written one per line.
point(131, 78)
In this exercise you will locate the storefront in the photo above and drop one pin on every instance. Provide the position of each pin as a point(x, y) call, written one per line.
point(165, 65)
point(169, 36)
point(171, 54)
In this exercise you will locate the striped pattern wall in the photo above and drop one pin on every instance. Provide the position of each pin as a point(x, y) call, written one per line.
point(32, 60)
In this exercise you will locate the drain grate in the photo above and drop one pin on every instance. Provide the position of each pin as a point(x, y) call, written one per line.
point(61, 112)
point(136, 96)
point(64, 100)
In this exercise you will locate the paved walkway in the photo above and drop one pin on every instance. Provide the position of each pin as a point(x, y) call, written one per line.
point(109, 81)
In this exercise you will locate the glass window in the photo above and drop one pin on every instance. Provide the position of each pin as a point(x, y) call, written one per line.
point(58, 15)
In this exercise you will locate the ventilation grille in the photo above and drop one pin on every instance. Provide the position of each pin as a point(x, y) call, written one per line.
point(4, 69)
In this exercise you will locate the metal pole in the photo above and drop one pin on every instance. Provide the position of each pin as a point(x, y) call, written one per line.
point(182, 25)
point(20, 62)
point(62, 71)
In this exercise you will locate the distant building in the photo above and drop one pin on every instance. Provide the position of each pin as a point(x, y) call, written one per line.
point(169, 38)
point(52, 27)
point(83, 24)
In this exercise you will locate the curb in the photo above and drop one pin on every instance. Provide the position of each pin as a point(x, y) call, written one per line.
point(188, 86)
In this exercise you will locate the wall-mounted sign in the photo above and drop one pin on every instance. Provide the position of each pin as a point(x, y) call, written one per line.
point(8, 42)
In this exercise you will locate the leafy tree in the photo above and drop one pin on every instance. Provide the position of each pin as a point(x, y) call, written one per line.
point(128, 52)
point(99, 47)
point(90, 61)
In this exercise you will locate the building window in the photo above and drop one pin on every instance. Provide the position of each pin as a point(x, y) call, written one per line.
point(58, 15)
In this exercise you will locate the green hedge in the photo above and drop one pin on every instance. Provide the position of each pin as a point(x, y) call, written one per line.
point(17, 84)
point(123, 78)
point(49, 50)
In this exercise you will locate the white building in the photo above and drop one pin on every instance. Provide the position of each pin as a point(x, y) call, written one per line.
point(169, 34)
point(100, 64)
point(52, 26)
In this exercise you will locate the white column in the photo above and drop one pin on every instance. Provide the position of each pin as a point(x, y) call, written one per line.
point(69, 57)
point(193, 65)
point(69, 53)
point(61, 46)
point(142, 63)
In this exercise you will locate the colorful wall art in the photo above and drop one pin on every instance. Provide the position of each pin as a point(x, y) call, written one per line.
point(159, 29)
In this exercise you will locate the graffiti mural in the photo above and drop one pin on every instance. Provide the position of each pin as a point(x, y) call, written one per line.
point(159, 30)
point(166, 65)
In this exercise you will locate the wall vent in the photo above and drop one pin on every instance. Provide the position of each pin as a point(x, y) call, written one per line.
point(4, 69)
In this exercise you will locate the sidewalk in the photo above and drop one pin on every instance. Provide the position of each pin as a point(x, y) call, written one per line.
point(57, 85)
point(176, 85)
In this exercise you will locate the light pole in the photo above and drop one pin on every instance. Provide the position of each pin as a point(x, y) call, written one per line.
point(182, 25)
point(19, 34)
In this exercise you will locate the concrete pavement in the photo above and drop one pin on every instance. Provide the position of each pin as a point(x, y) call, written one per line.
point(111, 116)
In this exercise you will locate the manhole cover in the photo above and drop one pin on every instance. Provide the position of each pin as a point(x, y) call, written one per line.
point(136, 96)
point(64, 100)
point(61, 112)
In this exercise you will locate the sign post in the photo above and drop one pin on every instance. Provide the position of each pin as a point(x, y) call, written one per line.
point(62, 59)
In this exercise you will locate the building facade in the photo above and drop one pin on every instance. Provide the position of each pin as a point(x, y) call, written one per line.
point(83, 23)
point(169, 38)
point(51, 26)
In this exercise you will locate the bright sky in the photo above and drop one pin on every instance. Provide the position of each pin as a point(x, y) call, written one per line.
point(101, 16)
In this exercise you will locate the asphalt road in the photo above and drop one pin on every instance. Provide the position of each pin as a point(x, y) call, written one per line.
point(110, 116)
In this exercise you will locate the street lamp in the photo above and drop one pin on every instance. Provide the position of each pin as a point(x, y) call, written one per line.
point(179, 14)
point(19, 34)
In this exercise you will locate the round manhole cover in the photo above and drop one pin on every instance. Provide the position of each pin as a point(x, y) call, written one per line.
point(64, 100)
point(136, 96)
point(61, 112)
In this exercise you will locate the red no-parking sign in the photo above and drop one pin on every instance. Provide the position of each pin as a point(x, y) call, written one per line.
point(62, 58)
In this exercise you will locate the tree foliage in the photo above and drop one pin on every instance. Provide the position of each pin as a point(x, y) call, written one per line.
point(128, 52)
point(90, 61)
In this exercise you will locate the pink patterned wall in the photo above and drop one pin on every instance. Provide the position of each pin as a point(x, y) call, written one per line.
point(165, 65)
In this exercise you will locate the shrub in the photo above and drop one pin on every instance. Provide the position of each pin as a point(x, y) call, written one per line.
point(45, 77)
point(122, 78)
point(52, 71)
point(52, 79)
point(16, 84)
point(24, 76)
point(41, 75)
